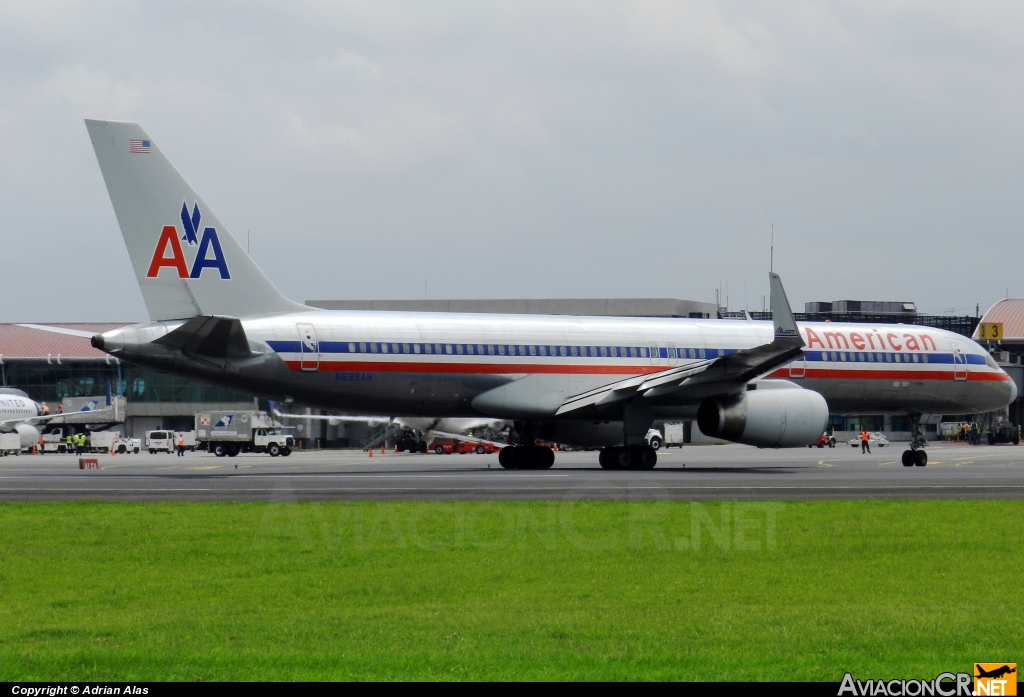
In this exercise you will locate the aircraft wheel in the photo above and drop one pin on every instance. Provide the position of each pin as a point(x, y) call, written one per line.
point(507, 457)
point(273, 450)
point(643, 458)
point(908, 458)
point(219, 450)
point(920, 458)
point(541, 458)
point(439, 450)
point(607, 458)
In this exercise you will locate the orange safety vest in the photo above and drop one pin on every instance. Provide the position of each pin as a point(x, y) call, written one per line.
point(863, 435)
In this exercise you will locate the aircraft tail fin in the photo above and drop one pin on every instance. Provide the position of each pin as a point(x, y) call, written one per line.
point(186, 262)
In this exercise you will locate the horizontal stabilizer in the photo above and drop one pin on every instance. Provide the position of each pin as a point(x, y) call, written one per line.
point(215, 337)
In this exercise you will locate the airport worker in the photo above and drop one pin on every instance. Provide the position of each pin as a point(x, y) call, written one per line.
point(46, 409)
point(181, 446)
point(865, 446)
point(69, 443)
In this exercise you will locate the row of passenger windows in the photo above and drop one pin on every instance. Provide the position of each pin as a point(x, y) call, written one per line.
point(529, 350)
point(871, 357)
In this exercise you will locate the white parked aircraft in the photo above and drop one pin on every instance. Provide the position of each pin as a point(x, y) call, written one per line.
point(576, 380)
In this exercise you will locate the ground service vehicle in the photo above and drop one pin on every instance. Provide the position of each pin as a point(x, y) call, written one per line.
point(447, 447)
point(408, 443)
point(654, 438)
point(586, 381)
point(1004, 433)
point(875, 439)
point(55, 440)
point(125, 445)
point(101, 441)
point(824, 440)
point(10, 444)
point(187, 438)
point(674, 434)
point(232, 432)
point(159, 442)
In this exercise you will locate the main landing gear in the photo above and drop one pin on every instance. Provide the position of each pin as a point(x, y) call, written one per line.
point(633, 457)
point(916, 456)
point(526, 457)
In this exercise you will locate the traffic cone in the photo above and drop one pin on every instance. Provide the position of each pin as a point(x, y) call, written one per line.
point(371, 452)
point(382, 450)
point(396, 450)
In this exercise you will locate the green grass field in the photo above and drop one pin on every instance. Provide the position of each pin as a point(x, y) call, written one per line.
point(275, 591)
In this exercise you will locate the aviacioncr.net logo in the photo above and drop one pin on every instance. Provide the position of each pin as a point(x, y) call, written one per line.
point(168, 252)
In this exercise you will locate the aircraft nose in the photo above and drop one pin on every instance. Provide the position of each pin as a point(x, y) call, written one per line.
point(1012, 384)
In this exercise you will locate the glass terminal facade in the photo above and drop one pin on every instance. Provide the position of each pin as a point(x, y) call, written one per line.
point(50, 382)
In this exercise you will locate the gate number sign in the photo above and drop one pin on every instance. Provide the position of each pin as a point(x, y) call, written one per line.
point(990, 331)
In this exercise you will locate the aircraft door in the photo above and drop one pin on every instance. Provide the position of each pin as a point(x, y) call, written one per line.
point(798, 368)
point(959, 364)
point(309, 347)
point(655, 355)
point(672, 357)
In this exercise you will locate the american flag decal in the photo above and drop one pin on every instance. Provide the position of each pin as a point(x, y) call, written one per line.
point(139, 146)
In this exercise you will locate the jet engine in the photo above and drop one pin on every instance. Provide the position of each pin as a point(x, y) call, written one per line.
point(29, 435)
point(767, 418)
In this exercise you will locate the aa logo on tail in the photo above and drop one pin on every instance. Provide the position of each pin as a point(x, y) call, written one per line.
point(168, 252)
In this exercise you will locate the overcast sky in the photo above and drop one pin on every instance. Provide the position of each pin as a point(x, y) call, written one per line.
point(528, 149)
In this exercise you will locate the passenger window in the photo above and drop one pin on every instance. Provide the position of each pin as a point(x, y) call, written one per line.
point(479, 349)
point(604, 351)
point(490, 349)
point(915, 358)
point(383, 348)
point(469, 349)
point(924, 357)
point(394, 348)
point(460, 349)
point(701, 352)
point(351, 348)
point(533, 350)
point(427, 348)
point(448, 349)
point(373, 347)
point(501, 349)
point(405, 348)
point(572, 350)
point(416, 348)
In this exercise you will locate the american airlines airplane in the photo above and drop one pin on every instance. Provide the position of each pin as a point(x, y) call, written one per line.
point(597, 381)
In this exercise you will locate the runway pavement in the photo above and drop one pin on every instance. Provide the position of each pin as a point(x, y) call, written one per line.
point(690, 473)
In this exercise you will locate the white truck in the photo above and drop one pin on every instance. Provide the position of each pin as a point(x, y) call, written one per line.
point(186, 438)
point(55, 440)
point(673, 436)
point(232, 432)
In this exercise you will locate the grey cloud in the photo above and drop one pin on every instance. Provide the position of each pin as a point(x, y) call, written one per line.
point(527, 149)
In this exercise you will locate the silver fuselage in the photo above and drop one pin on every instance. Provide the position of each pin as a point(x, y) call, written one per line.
point(439, 364)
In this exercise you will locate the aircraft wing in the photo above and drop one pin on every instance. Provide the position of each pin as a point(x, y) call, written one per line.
point(469, 439)
point(48, 417)
point(346, 418)
point(60, 330)
point(728, 371)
